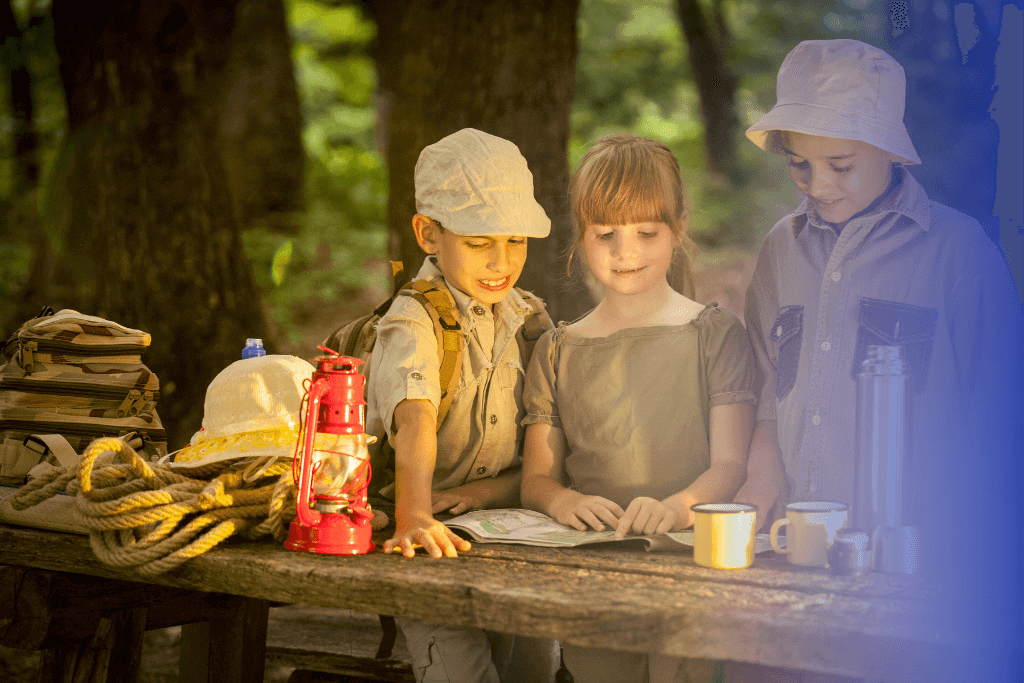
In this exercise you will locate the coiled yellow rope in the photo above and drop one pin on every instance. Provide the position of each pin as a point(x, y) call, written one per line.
point(134, 509)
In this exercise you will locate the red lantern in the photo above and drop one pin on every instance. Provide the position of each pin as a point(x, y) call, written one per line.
point(334, 463)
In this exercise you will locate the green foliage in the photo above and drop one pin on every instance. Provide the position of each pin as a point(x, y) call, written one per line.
point(631, 62)
point(306, 276)
point(633, 75)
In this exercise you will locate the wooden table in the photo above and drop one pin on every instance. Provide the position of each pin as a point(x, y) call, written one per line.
point(880, 627)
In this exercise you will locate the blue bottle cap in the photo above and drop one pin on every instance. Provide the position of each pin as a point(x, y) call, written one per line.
point(253, 348)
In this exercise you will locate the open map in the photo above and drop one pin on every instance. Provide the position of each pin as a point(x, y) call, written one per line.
point(527, 527)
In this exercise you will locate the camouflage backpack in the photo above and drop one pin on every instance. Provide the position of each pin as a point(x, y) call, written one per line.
point(69, 379)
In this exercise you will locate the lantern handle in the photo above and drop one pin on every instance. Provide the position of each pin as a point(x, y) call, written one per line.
point(307, 515)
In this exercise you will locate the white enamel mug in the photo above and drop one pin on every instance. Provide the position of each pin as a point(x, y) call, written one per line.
point(812, 530)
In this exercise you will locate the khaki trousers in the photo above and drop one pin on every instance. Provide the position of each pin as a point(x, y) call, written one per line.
point(446, 654)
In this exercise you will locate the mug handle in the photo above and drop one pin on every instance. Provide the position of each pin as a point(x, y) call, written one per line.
point(773, 535)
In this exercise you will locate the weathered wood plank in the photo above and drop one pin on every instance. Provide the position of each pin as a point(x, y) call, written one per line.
point(769, 614)
point(766, 572)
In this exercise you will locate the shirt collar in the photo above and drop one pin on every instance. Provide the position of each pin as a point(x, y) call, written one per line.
point(513, 307)
point(908, 198)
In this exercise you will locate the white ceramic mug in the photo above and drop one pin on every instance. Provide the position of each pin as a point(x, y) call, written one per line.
point(812, 530)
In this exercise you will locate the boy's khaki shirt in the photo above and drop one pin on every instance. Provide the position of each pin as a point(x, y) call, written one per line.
point(481, 435)
point(915, 273)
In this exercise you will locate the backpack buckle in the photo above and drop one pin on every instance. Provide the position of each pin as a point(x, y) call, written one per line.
point(454, 326)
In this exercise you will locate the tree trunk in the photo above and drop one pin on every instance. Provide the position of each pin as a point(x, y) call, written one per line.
point(949, 96)
point(261, 128)
point(151, 239)
point(23, 134)
point(22, 222)
point(706, 44)
point(505, 68)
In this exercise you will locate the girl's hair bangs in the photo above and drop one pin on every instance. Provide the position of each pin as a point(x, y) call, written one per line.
point(622, 184)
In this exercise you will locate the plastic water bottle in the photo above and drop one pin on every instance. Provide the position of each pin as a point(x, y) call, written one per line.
point(253, 348)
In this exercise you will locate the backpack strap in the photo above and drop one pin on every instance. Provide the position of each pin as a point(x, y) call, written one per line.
point(440, 306)
point(16, 460)
point(398, 280)
point(19, 457)
point(356, 338)
point(59, 446)
point(537, 322)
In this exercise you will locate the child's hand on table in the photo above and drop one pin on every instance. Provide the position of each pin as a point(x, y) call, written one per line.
point(768, 495)
point(456, 500)
point(428, 533)
point(501, 491)
point(647, 516)
point(574, 509)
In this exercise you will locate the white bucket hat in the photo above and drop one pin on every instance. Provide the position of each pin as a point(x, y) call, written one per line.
point(839, 89)
point(474, 183)
point(251, 411)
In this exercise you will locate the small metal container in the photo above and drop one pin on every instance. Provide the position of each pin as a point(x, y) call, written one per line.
point(849, 554)
point(895, 549)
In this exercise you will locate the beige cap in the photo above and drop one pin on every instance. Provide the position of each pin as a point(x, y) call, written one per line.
point(474, 183)
point(839, 89)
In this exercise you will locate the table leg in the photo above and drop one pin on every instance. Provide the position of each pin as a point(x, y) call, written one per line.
point(57, 664)
point(112, 655)
point(231, 649)
point(125, 657)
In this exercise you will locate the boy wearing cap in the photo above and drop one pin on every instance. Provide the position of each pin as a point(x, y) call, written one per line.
point(476, 209)
point(868, 259)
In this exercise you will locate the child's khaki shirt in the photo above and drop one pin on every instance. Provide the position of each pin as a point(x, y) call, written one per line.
point(481, 435)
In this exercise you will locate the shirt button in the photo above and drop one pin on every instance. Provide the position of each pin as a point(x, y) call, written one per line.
point(825, 346)
point(494, 419)
point(836, 275)
point(479, 310)
point(416, 375)
point(816, 420)
point(481, 470)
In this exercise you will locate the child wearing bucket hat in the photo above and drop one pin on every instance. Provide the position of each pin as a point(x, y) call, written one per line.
point(868, 259)
point(475, 211)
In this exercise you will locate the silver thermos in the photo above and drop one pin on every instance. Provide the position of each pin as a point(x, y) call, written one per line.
point(883, 392)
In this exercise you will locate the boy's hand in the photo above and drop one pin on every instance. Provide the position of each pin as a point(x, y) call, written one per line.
point(768, 494)
point(647, 516)
point(574, 509)
point(425, 531)
point(456, 500)
point(490, 492)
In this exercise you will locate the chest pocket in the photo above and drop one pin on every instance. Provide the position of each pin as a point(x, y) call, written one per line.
point(890, 323)
point(787, 331)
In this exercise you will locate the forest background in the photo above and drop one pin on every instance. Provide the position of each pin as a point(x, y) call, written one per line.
point(265, 199)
